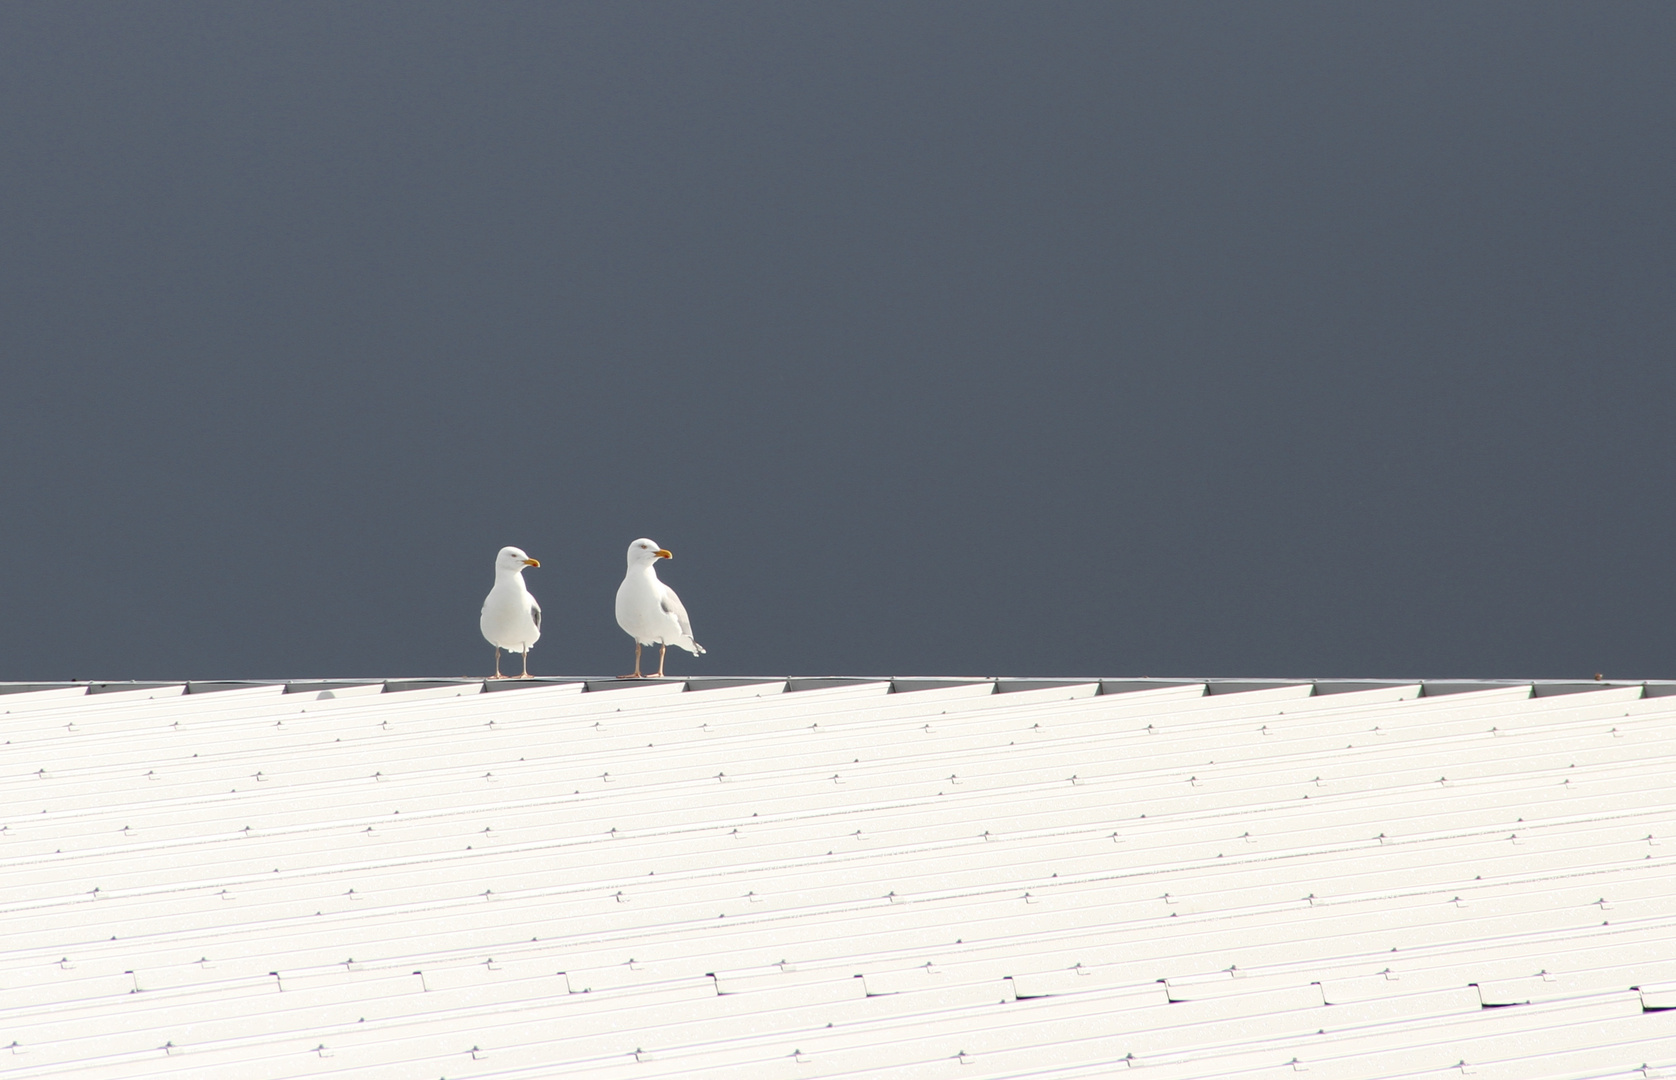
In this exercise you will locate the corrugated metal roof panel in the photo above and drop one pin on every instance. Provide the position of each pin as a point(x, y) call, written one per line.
point(836, 877)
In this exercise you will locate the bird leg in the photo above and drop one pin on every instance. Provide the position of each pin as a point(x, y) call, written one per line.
point(526, 673)
point(661, 650)
point(636, 674)
point(497, 674)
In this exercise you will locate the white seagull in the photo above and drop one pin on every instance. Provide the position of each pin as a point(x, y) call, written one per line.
point(511, 618)
point(648, 610)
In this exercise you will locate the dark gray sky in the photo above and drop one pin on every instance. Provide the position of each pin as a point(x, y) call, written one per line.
point(945, 338)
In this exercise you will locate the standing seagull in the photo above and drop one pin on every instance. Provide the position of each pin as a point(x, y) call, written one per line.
point(648, 610)
point(511, 618)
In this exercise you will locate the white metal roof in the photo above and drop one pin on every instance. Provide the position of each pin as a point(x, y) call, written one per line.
point(819, 878)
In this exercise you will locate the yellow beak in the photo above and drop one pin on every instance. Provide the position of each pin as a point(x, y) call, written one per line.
point(662, 554)
point(531, 562)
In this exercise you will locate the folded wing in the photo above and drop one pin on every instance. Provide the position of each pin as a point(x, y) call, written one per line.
point(672, 605)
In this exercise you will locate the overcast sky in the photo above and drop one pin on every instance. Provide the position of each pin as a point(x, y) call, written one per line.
point(936, 338)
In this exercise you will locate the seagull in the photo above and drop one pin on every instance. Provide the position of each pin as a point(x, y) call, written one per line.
point(649, 611)
point(511, 618)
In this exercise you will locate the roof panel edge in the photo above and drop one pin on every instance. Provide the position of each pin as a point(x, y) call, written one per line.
point(1130, 686)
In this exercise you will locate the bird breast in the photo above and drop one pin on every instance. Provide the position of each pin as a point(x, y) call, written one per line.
point(640, 609)
point(506, 620)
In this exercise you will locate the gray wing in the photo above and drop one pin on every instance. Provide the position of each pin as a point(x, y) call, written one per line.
point(672, 605)
point(535, 613)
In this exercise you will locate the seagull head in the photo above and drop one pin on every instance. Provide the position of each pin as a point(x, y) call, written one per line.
point(512, 560)
point(644, 552)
